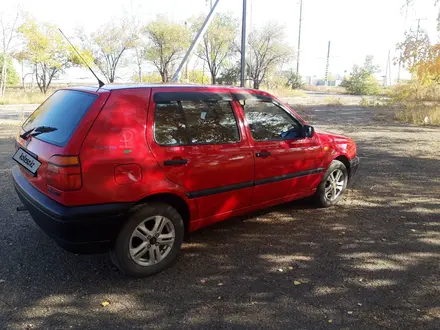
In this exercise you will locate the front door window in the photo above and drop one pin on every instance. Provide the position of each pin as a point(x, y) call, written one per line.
point(269, 122)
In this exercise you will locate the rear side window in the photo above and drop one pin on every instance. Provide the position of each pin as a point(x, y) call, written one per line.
point(63, 111)
point(195, 122)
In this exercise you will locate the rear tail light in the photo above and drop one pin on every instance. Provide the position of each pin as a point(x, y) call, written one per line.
point(64, 173)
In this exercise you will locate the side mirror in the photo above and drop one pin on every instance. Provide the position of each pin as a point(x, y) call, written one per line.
point(308, 131)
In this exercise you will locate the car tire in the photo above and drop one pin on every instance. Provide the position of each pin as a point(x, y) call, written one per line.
point(138, 250)
point(332, 185)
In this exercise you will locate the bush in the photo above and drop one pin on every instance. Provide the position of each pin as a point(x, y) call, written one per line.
point(294, 80)
point(153, 77)
point(414, 91)
point(230, 76)
point(361, 80)
point(276, 80)
point(417, 104)
point(419, 114)
point(361, 83)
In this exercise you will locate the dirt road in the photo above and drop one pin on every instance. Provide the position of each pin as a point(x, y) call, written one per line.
point(372, 262)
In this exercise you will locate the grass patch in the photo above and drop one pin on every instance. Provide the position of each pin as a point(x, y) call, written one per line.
point(332, 101)
point(19, 96)
point(325, 89)
point(286, 92)
point(375, 102)
point(419, 114)
point(416, 103)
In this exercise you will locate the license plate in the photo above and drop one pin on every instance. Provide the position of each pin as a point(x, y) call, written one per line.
point(26, 160)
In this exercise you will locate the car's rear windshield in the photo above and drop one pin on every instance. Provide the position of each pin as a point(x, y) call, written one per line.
point(63, 111)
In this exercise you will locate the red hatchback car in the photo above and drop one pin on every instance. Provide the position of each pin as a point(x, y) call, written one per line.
point(130, 169)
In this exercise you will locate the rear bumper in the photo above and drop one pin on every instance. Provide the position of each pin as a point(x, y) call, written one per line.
point(354, 166)
point(79, 229)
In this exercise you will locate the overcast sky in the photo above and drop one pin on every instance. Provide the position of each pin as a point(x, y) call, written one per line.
point(356, 28)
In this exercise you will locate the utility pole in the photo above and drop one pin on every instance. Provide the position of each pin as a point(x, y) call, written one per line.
point(389, 67)
point(195, 42)
point(299, 35)
point(328, 64)
point(243, 47)
point(385, 80)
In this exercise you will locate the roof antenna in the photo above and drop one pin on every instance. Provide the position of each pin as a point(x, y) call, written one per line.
point(100, 83)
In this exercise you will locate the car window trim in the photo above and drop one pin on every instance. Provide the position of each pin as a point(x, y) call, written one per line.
point(159, 97)
point(230, 100)
point(266, 99)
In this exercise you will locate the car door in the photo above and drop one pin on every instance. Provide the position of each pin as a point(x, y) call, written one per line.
point(201, 145)
point(287, 164)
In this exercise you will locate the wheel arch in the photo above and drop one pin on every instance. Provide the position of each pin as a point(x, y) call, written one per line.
point(175, 201)
point(344, 160)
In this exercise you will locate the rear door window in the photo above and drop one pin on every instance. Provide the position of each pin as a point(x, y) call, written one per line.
point(195, 122)
point(63, 111)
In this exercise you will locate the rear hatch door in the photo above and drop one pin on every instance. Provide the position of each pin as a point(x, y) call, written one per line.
point(58, 127)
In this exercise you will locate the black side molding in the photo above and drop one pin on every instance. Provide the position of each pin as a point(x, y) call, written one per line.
point(288, 176)
point(213, 191)
point(219, 190)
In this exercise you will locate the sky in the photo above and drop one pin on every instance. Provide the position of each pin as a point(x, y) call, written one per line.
point(356, 28)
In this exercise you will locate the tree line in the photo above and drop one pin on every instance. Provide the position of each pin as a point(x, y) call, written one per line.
point(161, 43)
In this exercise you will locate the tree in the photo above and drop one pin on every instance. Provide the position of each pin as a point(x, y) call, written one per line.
point(267, 49)
point(428, 68)
point(414, 48)
point(230, 75)
point(46, 50)
point(361, 80)
point(11, 74)
point(107, 45)
point(167, 41)
point(138, 44)
point(8, 32)
point(217, 42)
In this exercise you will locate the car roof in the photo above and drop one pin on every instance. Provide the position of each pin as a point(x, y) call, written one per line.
point(112, 87)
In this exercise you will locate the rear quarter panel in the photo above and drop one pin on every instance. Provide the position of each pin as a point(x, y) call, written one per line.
point(118, 137)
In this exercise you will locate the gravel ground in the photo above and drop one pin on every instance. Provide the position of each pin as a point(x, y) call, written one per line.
point(372, 262)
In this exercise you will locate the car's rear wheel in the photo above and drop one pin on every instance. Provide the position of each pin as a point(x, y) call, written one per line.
point(149, 241)
point(332, 185)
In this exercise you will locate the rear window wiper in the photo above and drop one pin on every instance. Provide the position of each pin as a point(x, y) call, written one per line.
point(37, 131)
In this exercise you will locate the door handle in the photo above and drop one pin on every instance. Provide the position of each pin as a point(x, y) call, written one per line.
point(171, 162)
point(263, 154)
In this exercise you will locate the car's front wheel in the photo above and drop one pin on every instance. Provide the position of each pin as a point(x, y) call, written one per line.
point(332, 185)
point(149, 241)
